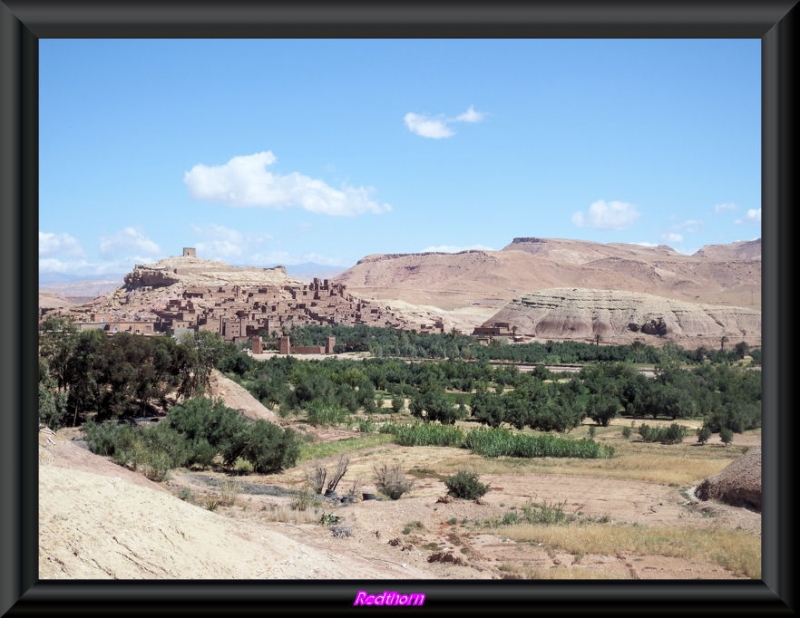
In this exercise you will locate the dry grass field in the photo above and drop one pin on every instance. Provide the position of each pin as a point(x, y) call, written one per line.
point(633, 516)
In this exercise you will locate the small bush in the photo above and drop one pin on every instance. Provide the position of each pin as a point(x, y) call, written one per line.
point(341, 470)
point(397, 404)
point(726, 435)
point(302, 499)
point(329, 519)
point(673, 434)
point(229, 491)
point(391, 481)
point(465, 485)
point(703, 434)
point(316, 478)
point(322, 415)
point(626, 432)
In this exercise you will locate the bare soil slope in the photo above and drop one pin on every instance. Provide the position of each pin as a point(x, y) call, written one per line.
point(98, 520)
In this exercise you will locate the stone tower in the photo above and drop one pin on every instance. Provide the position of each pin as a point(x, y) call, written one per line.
point(189, 252)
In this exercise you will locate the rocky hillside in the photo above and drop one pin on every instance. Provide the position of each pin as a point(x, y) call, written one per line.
point(192, 271)
point(622, 317)
point(717, 275)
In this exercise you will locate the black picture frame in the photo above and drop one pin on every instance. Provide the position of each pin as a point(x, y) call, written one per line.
point(23, 23)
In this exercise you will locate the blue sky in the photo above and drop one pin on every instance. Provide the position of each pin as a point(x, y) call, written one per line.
point(264, 152)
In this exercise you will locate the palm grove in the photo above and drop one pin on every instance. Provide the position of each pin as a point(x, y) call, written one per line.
point(88, 378)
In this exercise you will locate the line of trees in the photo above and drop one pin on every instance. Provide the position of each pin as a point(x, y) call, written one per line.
point(391, 342)
point(124, 375)
point(83, 372)
point(445, 391)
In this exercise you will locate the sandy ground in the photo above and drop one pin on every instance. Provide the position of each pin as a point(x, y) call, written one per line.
point(98, 520)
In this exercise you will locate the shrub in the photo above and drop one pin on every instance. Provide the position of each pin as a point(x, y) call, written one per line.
point(673, 434)
point(341, 469)
point(703, 434)
point(397, 404)
point(322, 415)
point(301, 499)
point(316, 478)
point(726, 435)
point(391, 481)
point(465, 485)
point(108, 438)
point(229, 491)
point(626, 432)
point(268, 447)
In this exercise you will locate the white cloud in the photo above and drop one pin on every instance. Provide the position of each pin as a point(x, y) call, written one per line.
point(248, 248)
point(438, 127)
point(753, 216)
point(645, 244)
point(130, 239)
point(244, 181)
point(84, 268)
point(53, 244)
point(223, 243)
point(427, 127)
point(292, 259)
point(672, 237)
point(689, 226)
point(470, 115)
point(604, 215)
point(728, 206)
point(454, 249)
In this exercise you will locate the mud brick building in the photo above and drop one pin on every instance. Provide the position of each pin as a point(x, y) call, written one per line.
point(239, 312)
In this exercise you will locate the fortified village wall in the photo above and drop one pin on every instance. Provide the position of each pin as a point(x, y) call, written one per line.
point(249, 313)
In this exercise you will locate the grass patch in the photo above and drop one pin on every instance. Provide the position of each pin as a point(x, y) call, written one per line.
point(736, 551)
point(320, 450)
point(285, 514)
point(425, 434)
point(503, 442)
point(677, 465)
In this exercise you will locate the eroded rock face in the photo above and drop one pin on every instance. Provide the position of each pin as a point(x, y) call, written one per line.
point(716, 275)
point(739, 484)
point(562, 313)
point(193, 271)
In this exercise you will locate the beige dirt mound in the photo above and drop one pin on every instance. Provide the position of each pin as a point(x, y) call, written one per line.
point(739, 484)
point(239, 398)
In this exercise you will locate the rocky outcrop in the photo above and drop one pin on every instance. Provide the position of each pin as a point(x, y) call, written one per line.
point(745, 250)
point(739, 484)
point(578, 313)
point(191, 271)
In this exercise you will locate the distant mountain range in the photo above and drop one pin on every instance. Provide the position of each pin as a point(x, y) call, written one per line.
point(715, 275)
point(542, 287)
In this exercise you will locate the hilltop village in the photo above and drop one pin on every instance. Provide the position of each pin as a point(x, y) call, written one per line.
point(239, 312)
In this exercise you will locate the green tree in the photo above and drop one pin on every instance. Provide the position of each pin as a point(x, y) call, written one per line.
point(703, 434)
point(602, 408)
